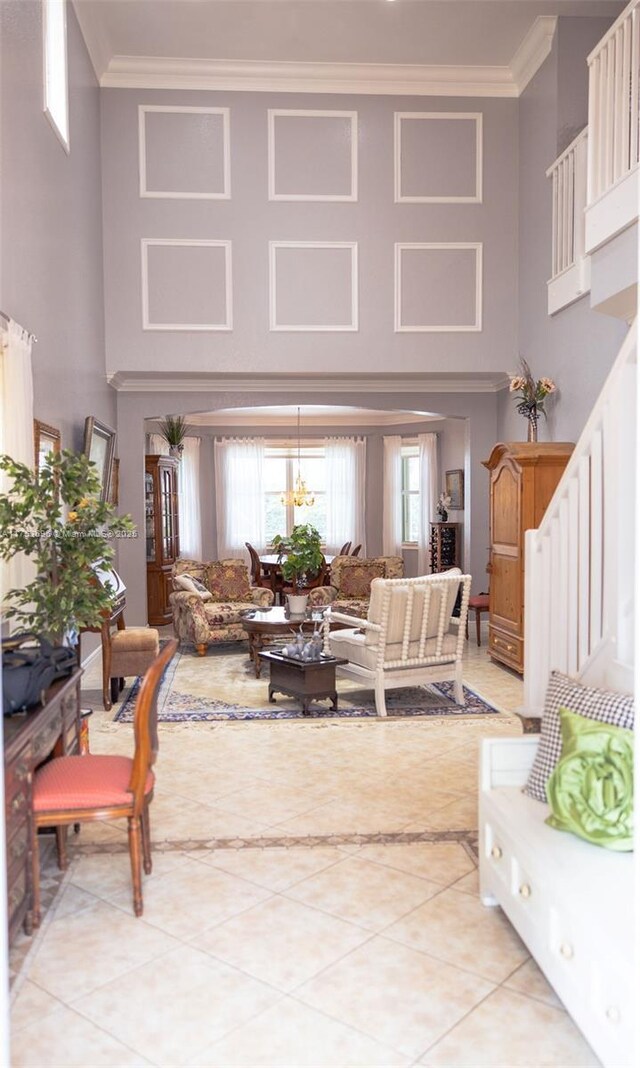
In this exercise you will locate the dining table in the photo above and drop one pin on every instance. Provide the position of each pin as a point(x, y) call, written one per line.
point(271, 564)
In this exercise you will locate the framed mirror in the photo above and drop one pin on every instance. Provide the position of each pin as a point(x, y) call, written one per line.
point(46, 439)
point(99, 446)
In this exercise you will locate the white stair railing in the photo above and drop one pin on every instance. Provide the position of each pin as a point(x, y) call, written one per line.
point(579, 563)
point(614, 86)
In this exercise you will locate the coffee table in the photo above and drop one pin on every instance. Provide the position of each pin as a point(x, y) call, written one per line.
point(308, 680)
point(263, 626)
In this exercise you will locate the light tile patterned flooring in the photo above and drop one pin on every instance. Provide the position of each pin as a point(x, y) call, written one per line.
point(313, 902)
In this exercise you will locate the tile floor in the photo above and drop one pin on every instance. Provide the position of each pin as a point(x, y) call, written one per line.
point(313, 902)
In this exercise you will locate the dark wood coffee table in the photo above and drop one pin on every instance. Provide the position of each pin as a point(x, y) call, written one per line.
point(263, 626)
point(308, 680)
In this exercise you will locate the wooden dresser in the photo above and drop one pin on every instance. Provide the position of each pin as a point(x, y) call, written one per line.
point(524, 476)
point(29, 738)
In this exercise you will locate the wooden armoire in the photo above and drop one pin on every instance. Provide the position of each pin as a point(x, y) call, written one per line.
point(524, 476)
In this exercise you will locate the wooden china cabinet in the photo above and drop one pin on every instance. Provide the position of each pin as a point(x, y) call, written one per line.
point(161, 533)
point(524, 476)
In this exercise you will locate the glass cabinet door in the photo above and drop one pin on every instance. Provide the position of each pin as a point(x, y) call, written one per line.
point(149, 517)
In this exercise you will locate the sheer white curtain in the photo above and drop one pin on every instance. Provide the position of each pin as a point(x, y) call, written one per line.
point(158, 446)
point(16, 430)
point(428, 475)
point(345, 466)
point(392, 501)
point(189, 500)
point(240, 517)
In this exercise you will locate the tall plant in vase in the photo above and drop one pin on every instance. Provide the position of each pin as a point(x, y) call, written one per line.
point(174, 429)
point(533, 394)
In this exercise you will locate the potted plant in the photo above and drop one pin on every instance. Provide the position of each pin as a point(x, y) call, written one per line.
point(174, 429)
point(64, 595)
point(302, 556)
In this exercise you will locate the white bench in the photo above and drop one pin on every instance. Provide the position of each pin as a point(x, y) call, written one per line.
point(572, 903)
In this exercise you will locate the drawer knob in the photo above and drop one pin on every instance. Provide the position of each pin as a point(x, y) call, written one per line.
point(613, 1014)
point(566, 950)
point(525, 890)
point(496, 852)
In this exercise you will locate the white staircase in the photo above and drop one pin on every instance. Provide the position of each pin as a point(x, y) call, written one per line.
point(580, 562)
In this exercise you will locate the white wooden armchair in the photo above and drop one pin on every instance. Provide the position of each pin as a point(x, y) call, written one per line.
point(409, 635)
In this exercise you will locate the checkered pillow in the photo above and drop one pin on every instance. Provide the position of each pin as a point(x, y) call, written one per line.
point(605, 706)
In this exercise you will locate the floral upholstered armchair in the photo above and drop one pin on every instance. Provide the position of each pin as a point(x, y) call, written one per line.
point(351, 579)
point(210, 599)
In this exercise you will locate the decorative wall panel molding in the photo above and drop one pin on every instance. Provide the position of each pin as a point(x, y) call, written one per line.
point(438, 287)
point(191, 141)
point(311, 160)
point(186, 275)
point(310, 292)
point(437, 157)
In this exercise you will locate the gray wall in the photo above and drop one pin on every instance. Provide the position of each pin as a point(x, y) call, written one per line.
point(51, 211)
point(51, 228)
point(250, 220)
point(577, 346)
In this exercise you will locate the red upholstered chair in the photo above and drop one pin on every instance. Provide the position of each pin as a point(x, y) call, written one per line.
point(479, 604)
point(77, 789)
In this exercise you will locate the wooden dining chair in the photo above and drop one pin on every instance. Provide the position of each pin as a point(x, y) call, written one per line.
point(356, 551)
point(80, 789)
point(257, 578)
point(346, 549)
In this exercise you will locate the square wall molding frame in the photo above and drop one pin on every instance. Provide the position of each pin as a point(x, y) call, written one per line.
point(306, 288)
point(223, 192)
point(315, 155)
point(432, 157)
point(440, 288)
point(168, 284)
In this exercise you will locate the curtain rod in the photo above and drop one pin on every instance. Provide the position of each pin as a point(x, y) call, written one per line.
point(8, 319)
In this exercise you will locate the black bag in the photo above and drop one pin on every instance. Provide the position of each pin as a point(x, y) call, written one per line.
point(29, 665)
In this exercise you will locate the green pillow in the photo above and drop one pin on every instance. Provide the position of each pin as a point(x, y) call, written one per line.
point(591, 788)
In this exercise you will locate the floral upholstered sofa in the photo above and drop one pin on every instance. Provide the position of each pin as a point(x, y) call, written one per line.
point(209, 600)
point(351, 578)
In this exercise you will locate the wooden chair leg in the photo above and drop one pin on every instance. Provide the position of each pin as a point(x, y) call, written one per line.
point(146, 841)
point(35, 877)
point(478, 614)
point(61, 847)
point(115, 689)
point(136, 867)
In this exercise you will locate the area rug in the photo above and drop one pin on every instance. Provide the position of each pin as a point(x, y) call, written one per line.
point(222, 686)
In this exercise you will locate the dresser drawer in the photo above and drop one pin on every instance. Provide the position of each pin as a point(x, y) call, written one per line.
point(17, 809)
point(498, 857)
point(507, 648)
point(17, 891)
point(44, 742)
point(17, 850)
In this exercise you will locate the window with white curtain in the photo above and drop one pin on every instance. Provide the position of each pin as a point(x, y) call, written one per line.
point(280, 472)
point(56, 76)
point(410, 494)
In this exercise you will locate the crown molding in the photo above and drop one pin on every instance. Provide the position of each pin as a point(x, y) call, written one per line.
point(150, 72)
point(98, 45)
point(176, 382)
point(533, 51)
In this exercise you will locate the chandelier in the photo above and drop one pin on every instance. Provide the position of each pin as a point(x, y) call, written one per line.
point(299, 495)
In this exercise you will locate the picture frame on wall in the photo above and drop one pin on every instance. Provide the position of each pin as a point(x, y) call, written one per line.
point(454, 488)
point(114, 491)
point(99, 447)
point(46, 439)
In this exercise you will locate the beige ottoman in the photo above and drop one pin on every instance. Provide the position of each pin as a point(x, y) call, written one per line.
point(133, 649)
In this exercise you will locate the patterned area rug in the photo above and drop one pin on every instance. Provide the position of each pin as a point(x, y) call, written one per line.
point(222, 686)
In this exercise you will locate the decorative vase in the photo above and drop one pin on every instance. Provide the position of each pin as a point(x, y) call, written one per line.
point(532, 428)
point(443, 516)
point(297, 603)
point(176, 451)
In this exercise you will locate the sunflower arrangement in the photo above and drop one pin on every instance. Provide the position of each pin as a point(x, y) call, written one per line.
point(533, 394)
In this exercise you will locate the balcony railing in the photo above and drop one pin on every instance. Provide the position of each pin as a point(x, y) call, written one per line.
point(614, 82)
point(569, 174)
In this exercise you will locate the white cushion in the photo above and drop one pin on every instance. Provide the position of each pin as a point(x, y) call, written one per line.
point(185, 582)
point(398, 606)
point(353, 646)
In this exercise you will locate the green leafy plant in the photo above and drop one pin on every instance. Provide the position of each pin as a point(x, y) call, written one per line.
point(301, 552)
point(174, 429)
point(65, 594)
